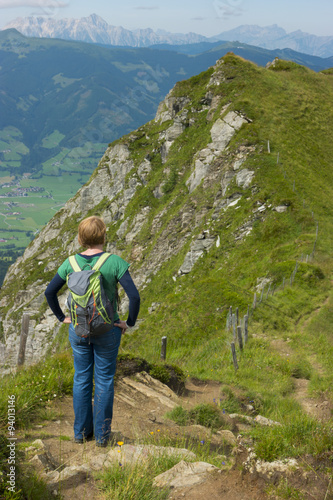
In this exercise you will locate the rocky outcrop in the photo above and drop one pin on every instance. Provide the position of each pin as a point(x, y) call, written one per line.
point(185, 475)
point(199, 246)
point(168, 109)
point(221, 133)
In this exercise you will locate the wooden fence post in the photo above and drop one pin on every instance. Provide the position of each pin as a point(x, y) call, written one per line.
point(255, 301)
point(234, 326)
point(164, 348)
point(240, 338)
point(23, 338)
point(246, 326)
point(234, 357)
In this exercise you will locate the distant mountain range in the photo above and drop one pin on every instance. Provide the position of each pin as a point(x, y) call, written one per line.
point(94, 29)
point(274, 37)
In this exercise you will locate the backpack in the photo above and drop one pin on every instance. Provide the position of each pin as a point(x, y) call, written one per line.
point(90, 308)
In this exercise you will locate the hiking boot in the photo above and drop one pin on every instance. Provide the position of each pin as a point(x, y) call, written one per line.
point(84, 439)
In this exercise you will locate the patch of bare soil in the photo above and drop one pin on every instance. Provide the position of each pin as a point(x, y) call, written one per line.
point(320, 408)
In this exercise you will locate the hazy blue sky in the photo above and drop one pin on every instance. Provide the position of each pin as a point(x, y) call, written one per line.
point(208, 18)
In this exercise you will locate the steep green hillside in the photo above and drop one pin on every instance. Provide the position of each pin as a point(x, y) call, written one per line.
point(227, 191)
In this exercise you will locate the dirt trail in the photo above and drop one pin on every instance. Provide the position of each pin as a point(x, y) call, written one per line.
point(139, 418)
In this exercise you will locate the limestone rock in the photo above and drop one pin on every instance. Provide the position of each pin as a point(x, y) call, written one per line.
point(244, 230)
point(253, 465)
point(185, 474)
point(221, 133)
point(203, 243)
point(127, 383)
point(97, 462)
point(266, 421)
point(137, 224)
point(244, 178)
point(200, 171)
point(165, 150)
point(155, 384)
point(175, 130)
point(168, 108)
point(54, 477)
point(129, 454)
point(227, 436)
point(255, 420)
point(144, 169)
point(281, 209)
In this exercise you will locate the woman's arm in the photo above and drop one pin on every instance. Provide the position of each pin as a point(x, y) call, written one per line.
point(134, 298)
point(52, 299)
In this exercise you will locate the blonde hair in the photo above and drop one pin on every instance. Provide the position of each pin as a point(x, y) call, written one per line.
point(91, 232)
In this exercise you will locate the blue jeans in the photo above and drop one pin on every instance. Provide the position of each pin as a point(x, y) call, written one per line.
point(101, 352)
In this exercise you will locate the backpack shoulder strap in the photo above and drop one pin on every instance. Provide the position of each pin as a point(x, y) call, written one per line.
point(103, 258)
point(74, 264)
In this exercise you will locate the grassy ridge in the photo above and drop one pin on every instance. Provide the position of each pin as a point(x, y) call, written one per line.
point(288, 107)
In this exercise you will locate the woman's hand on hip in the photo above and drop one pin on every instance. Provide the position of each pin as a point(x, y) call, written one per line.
point(122, 325)
point(67, 320)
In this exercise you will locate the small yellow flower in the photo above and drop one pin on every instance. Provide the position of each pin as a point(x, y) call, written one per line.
point(120, 443)
point(118, 451)
point(158, 430)
point(152, 432)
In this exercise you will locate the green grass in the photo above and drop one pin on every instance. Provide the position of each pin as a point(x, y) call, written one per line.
point(207, 415)
point(122, 482)
point(35, 387)
point(298, 436)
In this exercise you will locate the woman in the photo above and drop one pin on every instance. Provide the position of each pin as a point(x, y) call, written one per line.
point(97, 355)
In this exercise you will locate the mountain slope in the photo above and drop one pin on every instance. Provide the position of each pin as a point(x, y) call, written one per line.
point(204, 213)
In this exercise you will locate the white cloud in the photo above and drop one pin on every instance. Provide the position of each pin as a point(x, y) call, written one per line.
point(228, 8)
point(8, 4)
